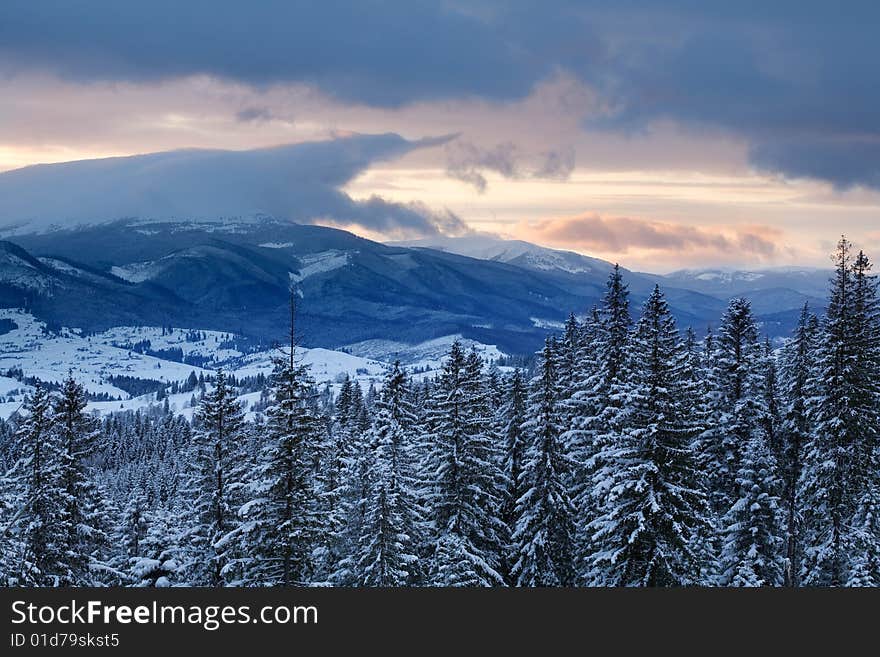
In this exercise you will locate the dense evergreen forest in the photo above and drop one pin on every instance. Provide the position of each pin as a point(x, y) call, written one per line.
point(628, 454)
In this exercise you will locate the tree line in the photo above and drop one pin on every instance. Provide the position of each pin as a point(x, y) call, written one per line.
point(630, 454)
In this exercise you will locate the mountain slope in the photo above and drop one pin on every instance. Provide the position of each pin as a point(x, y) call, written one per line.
point(516, 252)
point(809, 282)
point(234, 277)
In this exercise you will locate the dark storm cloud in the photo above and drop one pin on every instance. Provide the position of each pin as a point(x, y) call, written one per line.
point(300, 182)
point(780, 75)
point(372, 51)
point(846, 162)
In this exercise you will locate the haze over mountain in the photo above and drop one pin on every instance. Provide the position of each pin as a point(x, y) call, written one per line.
point(299, 182)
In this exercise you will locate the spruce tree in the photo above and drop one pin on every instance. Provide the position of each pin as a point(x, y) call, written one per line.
point(220, 422)
point(282, 520)
point(544, 534)
point(465, 496)
point(837, 474)
point(651, 529)
point(603, 349)
point(738, 404)
point(85, 519)
point(42, 496)
point(513, 416)
point(353, 431)
point(617, 323)
point(796, 363)
point(393, 525)
point(753, 542)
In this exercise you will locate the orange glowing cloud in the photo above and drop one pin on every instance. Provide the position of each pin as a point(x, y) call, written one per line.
point(621, 235)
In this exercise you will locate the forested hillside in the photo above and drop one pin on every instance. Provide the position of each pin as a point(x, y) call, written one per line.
point(629, 454)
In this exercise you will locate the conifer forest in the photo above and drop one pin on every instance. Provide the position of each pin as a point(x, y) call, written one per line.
point(627, 452)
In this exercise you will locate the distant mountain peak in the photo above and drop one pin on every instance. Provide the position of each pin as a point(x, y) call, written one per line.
point(484, 246)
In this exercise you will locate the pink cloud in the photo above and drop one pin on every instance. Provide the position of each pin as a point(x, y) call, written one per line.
point(592, 232)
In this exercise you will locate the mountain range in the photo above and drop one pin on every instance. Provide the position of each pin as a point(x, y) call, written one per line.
point(234, 275)
point(212, 239)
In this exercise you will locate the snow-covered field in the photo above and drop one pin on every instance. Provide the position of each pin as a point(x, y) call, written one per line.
point(93, 359)
point(428, 354)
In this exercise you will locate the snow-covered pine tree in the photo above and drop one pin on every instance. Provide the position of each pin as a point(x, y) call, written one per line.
point(753, 541)
point(583, 400)
point(158, 562)
point(603, 346)
point(465, 489)
point(864, 570)
point(212, 488)
point(864, 526)
point(337, 452)
point(866, 326)
point(512, 418)
point(544, 535)
point(617, 323)
point(652, 526)
point(132, 529)
point(770, 390)
point(738, 403)
point(281, 521)
point(352, 427)
point(394, 521)
point(9, 500)
point(796, 363)
point(835, 475)
point(568, 356)
point(84, 524)
point(41, 496)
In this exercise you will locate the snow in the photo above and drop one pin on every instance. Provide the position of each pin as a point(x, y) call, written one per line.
point(718, 275)
point(95, 358)
point(327, 366)
point(320, 263)
point(276, 245)
point(60, 265)
point(8, 384)
point(547, 323)
point(489, 247)
point(548, 260)
point(209, 347)
point(430, 354)
point(49, 357)
point(136, 272)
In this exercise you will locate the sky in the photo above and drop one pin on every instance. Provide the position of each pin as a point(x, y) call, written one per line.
point(659, 135)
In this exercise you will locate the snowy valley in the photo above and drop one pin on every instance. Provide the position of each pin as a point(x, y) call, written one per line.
point(167, 359)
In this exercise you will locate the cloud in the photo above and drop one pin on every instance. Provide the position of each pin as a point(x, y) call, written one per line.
point(372, 51)
point(845, 162)
point(300, 182)
point(621, 235)
point(774, 75)
point(557, 165)
point(254, 114)
point(468, 163)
